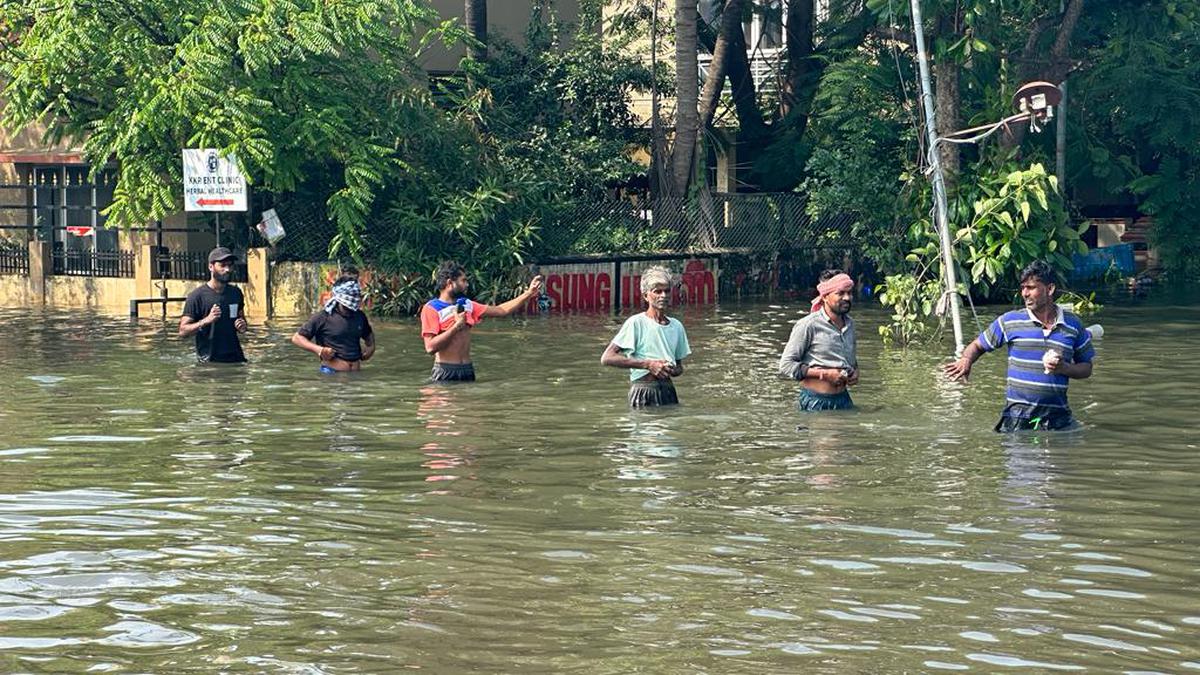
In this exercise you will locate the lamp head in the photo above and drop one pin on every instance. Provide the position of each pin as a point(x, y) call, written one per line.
point(1038, 99)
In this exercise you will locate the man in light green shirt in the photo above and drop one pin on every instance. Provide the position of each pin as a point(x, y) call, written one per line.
point(651, 345)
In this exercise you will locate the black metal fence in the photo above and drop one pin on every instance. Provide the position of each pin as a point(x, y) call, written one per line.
point(49, 199)
point(14, 258)
point(62, 205)
point(80, 263)
point(190, 265)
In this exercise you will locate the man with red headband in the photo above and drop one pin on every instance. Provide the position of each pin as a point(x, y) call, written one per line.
point(820, 352)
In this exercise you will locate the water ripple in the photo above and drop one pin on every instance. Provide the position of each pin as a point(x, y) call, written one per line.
point(168, 517)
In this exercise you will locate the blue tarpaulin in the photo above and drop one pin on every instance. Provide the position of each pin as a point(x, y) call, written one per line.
point(1097, 262)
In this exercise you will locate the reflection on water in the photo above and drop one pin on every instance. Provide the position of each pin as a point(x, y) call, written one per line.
point(159, 516)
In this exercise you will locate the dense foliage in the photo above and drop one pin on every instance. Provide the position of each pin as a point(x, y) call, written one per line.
point(296, 90)
point(1132, 71)
point(1138, 131)
point(526, 136)
point(327, 99)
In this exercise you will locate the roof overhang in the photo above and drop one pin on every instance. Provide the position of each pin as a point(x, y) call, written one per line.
point(42, 157)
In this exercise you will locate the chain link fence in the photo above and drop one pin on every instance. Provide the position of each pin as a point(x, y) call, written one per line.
point(309, 229)
point(709, 224)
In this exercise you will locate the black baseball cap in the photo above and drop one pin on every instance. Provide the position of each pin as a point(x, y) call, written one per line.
point(221, 253)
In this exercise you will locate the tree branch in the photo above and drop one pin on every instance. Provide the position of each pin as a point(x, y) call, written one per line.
point(731, 23)
point(1062, 41)
point(800, 64)
point(741, 85)
point(1070, 18)
point(904, 37)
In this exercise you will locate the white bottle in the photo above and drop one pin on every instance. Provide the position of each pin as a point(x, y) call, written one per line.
point(1096, 330)
point(1050, 359)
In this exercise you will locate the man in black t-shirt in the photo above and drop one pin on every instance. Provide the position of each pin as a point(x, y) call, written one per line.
point(339, 334)
point(215, 312)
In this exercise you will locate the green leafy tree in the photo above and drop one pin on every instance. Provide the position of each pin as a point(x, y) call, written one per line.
point(1017, 218)
point(325, 101)
point(1008, 218)
point(863, 135)
point(296, 90)
point(529, 136)
point(1138, 91)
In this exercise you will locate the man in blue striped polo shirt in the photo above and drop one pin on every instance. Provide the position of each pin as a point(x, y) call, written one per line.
point(1047, 347)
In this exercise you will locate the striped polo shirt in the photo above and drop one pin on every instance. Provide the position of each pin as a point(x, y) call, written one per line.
point(1028, 339)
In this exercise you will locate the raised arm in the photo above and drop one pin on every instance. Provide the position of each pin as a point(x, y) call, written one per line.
point(1075, 371)
point(1082, 354)
point(506, 308)
point(436, 343)
point(310, 346)
point(613, 356)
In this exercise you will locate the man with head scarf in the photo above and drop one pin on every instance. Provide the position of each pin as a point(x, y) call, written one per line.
point(821, 350)
point(339, 334)
point(651, 345)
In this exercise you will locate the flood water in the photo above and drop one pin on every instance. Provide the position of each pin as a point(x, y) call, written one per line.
point(160, 516)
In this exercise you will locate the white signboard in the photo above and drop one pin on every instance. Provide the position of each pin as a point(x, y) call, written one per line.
point(212, 182)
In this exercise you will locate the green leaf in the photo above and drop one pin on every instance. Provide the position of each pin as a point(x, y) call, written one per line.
point(979, 269)
point(1040, 194)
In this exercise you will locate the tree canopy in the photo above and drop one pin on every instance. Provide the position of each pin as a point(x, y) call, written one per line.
point(293, 88)
point(328, 98)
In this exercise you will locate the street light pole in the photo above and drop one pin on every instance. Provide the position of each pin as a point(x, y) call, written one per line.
point(941, 211)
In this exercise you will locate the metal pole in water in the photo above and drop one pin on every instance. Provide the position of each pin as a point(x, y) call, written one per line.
point(941, 211)
point(616, 289)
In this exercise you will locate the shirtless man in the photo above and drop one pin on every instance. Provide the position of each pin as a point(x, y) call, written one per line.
point(446, 322)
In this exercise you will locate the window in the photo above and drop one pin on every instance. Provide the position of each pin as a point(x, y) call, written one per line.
point(66, 205)
point(764, 30)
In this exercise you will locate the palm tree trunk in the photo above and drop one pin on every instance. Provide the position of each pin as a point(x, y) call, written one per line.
point(731, 26)
point(476, 16)
point(948, 99)
point(687, 90)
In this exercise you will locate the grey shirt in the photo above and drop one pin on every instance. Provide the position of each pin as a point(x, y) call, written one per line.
point(815, 341)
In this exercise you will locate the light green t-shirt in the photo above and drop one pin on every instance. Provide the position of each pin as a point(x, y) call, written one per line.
point(644, 338)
